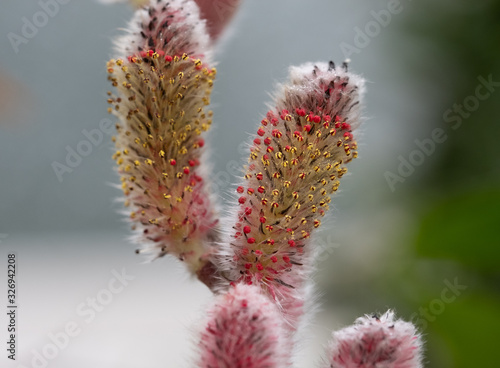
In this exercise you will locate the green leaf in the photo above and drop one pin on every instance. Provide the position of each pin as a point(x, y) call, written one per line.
point(465, 228)
point(469, 326)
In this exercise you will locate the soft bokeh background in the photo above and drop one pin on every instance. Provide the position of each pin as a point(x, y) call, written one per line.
point(398, 245)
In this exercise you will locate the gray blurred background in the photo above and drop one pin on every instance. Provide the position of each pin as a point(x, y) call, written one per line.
point(390, 243)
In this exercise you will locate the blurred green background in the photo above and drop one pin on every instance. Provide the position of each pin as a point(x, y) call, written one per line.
point(416, 227)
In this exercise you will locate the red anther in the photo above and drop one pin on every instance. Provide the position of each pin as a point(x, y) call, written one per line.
point(270, 149)
point(291, 243)
point(348, 135)
point(267, 141)
point(326, 125)
point(248, 266)
point(240, 189)
point(274, 259)
point(259, 176)
point(251, 240)
point(198, 178)
point(258, 252)
point(247, 229)
point(186, 170)
point(168, 58)
point(248, 211)
point(192, 163)
point(160, 52)
point(265, 157)
point(172, 162)
point(150, 53)
point(285, 112)
point(338, 125)
point(288, 230)
point(288, 148)
point(307, 128)
point(274, 121)
point(256, 141)
point(237, 235)
point(327, 118)
point(270, 114)
point(262, 220)
point(264, 201)
point(300, 112)
point(261, 132)
point(250, 191)
point(270, 241)
point(143, 54)
point(316, 119)
point(346, 126)
point(276, 133)
point(242, 200)
point(333, 132)
point(260, 267)
point(261, 189)
point(286, 259)
point(269, 227)
point(201, 143)
point(337, 118)
point(264, 122)
point(245, 251)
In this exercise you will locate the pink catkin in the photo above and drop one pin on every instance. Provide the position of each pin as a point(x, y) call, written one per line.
point(217, 14)
point(296, 160)
point(163, 85)
point(245, 330)
point(374, 342)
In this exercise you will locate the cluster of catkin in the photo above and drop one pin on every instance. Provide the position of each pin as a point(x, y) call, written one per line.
point(258, 260)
